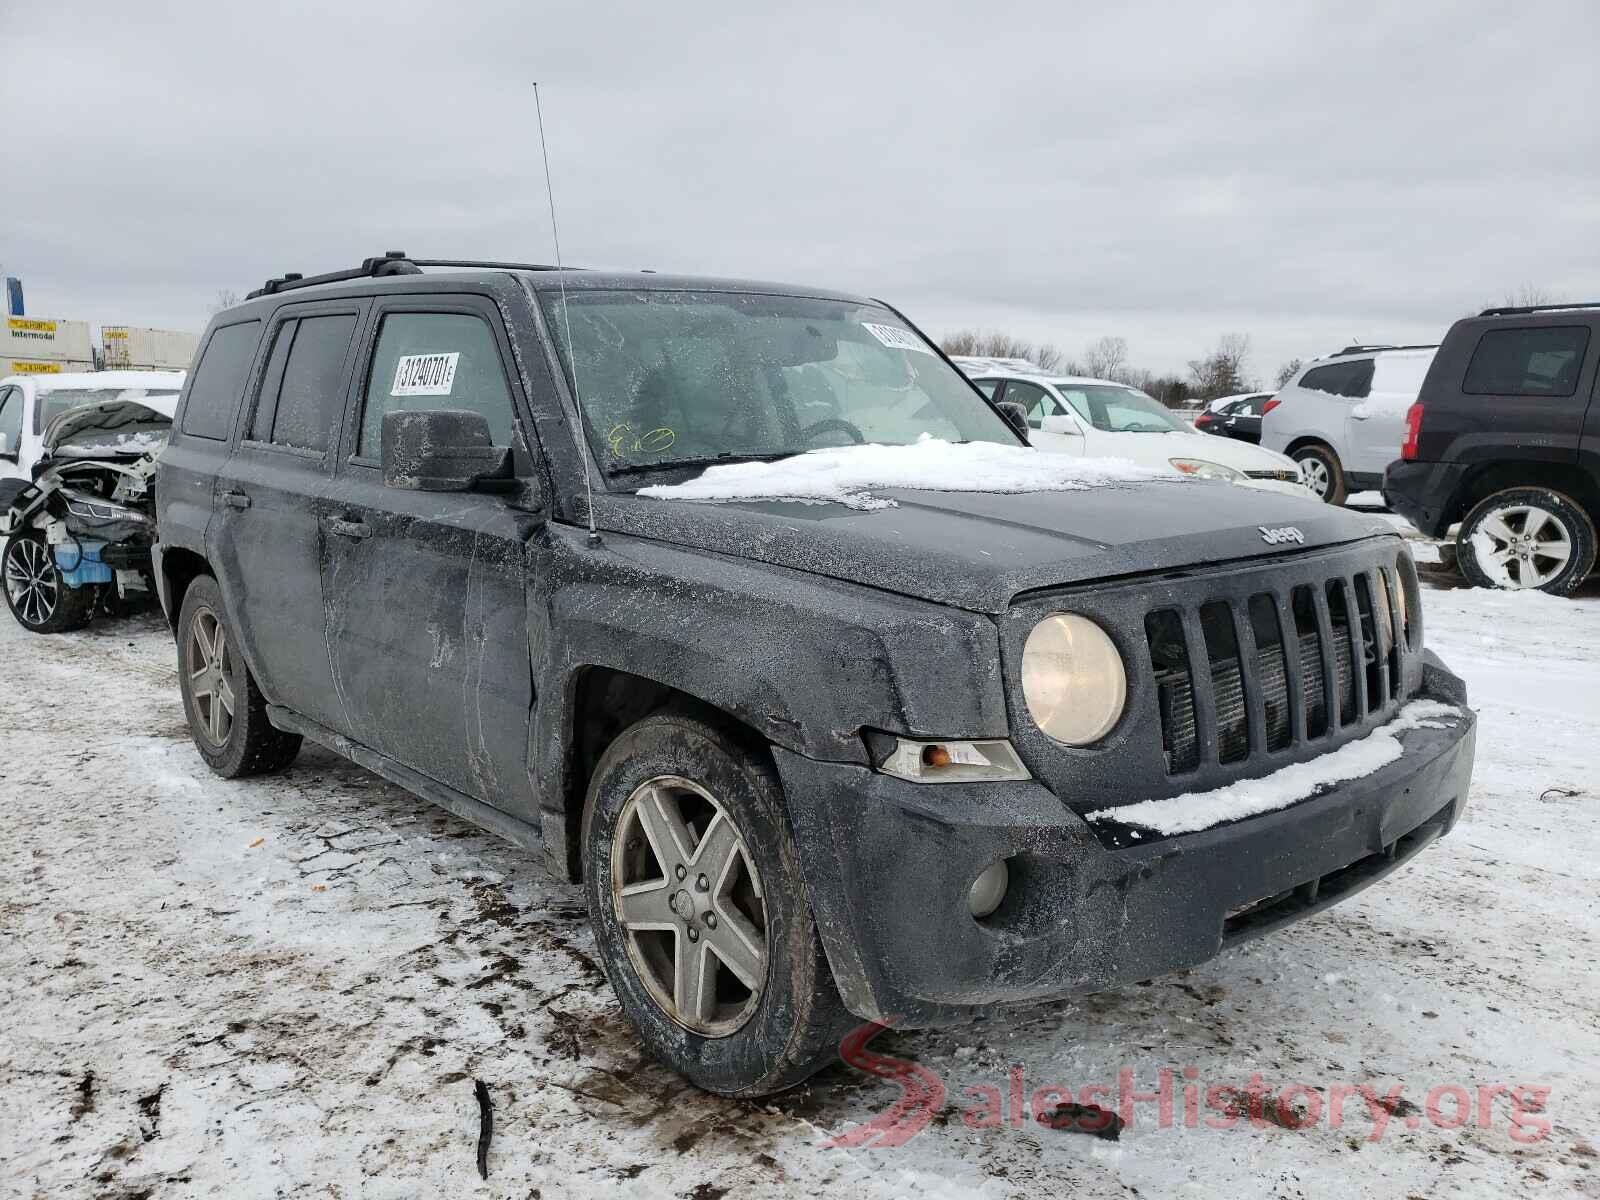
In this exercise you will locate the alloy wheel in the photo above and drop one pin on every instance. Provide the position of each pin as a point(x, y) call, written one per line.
point(1315, 472)
point(30, 578)
point(208, 664)
point(1522, 546)
point(688, 898)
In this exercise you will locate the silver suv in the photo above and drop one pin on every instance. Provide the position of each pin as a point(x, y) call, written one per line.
point(1343, 417)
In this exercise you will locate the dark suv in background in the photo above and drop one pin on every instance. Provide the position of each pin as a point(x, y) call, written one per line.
point(1505, 439)
point(899, 759)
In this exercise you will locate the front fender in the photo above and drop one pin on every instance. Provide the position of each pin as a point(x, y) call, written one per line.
point(805, 661)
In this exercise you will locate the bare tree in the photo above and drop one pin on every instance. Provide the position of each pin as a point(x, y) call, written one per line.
point(1287, 372)
point(1526, 295)
point(1105, 357)
point(1003, 345)
point(1221, 373)
point(225, 298)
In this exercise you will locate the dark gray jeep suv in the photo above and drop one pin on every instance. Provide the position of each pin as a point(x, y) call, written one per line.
point(952, 745)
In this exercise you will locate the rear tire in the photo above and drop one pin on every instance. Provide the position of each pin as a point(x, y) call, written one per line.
point(667, 781)
point(226, 710)
point(1322, 469)
point(1526, 538)
point(37, 595)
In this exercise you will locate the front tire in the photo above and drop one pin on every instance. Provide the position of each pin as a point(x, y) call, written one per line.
point(226, 710)
point(37, 595)
point(1321, 468)
point(1526, 538)
point(694, 886)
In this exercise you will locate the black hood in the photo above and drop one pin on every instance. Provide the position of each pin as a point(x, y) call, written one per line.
point(976, 550)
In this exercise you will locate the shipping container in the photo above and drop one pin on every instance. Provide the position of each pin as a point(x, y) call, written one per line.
point(128, 347)
point(43, 340)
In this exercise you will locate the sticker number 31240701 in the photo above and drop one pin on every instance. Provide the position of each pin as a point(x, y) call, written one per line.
point(425, 374)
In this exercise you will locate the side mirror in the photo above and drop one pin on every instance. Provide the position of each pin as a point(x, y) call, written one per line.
point(1061, 423)
point(7, 450)
point(1016, 416)
point(440, 450)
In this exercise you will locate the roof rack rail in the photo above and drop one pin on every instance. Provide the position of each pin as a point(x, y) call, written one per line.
point(1517, 309)
point(1385, 346)
point(393, 262)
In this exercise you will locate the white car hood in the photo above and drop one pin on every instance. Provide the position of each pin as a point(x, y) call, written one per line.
point(1159, 449)
point(112, 416)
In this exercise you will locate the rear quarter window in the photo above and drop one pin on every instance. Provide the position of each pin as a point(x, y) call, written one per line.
point(1353, 379)
point(1536, 361)
point(219, 379)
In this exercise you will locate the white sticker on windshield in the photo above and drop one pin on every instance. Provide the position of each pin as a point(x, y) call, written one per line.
point(425, 374)
point(895, 338)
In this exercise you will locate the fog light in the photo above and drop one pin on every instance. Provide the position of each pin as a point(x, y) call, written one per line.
point(988, 889)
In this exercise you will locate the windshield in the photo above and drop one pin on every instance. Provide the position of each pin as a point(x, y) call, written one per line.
point(681, 377)
point(1120, 409)
point(54, 402)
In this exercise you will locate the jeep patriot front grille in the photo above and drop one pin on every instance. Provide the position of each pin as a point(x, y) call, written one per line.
point(1323, 655)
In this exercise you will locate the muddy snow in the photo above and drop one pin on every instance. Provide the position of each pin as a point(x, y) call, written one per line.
point(288, 987)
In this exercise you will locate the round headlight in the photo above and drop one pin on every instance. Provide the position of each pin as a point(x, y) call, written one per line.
point(1073, 679)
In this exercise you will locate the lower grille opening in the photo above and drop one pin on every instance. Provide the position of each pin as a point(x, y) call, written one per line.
point(1270, 911)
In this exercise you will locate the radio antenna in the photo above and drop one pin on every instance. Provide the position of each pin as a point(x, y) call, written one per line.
point(566, 320)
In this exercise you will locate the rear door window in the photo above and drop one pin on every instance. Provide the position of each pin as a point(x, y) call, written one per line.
point(433, 360)
point(219, 379)
point(1542, 361)
point(1353, 379)
point(310, 393)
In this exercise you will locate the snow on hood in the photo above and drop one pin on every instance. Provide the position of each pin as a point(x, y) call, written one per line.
point(849, 475)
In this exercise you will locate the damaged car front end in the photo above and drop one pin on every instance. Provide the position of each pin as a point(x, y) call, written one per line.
point(78, 537)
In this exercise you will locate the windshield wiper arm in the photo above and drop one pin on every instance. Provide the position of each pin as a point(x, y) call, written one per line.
point(704, 460)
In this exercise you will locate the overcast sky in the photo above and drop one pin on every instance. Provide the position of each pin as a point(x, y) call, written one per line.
point(1306, 174)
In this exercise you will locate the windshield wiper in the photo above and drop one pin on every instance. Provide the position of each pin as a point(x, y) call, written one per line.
point(704, 460)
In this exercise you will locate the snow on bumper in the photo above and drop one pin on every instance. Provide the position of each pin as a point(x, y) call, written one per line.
point(889, 865)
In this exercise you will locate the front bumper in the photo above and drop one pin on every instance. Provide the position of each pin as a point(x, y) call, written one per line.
point(888, 865)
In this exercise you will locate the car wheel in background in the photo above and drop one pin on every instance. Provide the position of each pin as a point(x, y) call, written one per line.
point(36, 593)
point(226, 710)
point(694, 886)
point(1320, 468)
point(1525, 538)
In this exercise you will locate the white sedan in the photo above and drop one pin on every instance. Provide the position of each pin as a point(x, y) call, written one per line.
point(1099, 418)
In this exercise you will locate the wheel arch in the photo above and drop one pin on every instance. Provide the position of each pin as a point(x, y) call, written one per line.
point(177, 570)
point(603, 702)
point(1310, 439)
point(1569, 479)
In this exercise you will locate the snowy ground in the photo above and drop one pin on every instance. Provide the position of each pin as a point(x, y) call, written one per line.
point(287, 987)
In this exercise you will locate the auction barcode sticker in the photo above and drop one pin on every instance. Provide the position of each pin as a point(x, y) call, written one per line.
point(425, 374)
point(896, 338)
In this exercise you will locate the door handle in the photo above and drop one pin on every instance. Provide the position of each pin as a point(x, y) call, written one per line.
point(350, 529)
point(236, 499)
